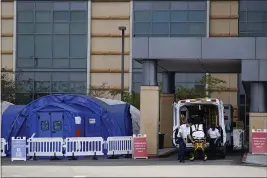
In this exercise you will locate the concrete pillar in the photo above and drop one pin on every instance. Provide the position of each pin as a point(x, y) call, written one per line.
point(166, 110)
point(149, 106)
point(258, 108)
point(149, 117)
point(258, 96)
point(150, 73)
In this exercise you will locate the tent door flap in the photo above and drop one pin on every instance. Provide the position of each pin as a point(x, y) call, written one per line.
point(57, 124)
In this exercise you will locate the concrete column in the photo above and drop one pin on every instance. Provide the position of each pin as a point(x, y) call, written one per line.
point(166, 110)
point(150, 73)
point(168, 81)
point(258, 97)
point(149, 117)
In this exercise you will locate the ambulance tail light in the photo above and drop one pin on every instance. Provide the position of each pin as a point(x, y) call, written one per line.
point(213, 100)
point(183, 101)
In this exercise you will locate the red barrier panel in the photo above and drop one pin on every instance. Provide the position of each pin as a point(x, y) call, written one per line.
point(259, 141)
point(140, 147)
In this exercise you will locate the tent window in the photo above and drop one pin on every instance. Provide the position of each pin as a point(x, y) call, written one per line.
point(57, 125)
point(44, 125)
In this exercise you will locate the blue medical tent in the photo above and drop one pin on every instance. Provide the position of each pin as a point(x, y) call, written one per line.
point(67, 116)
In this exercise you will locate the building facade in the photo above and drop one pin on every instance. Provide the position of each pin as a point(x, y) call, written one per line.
point(74, 46)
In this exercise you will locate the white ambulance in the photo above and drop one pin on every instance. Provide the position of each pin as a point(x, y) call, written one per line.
point(211, 110)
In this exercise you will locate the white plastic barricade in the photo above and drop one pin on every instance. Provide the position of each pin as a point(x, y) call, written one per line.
point(45, 146)
point(4, 145)
point(119, 145)
point(84, 146)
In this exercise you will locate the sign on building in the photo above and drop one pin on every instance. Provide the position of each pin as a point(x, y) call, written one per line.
point(18, 149)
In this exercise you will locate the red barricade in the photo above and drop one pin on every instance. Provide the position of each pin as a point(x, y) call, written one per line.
point(140, 147)
point(259, 141)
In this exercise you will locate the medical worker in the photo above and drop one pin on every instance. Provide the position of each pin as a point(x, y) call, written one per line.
point(214, 137)
point(182, 136)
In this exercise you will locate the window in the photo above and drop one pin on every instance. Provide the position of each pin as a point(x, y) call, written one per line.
point(61, 46)
point(78, 28)
point(161, 16)
point(23, 5)
point(252, 18)
point(43, 5)
point(44, 125)
point(61, 28)
point(61, 16)
point(77, 87)
point(25, 16)
point(43, 46)
point(43, 28)
point(25, 28)
point(76, 46)
point(78, 6)
point(25, 46)
point(142, 16)
point(59, 87)
point(57, 126)
point(160, 29)
point(43, 16)
point(162, 19)
point(78, 16)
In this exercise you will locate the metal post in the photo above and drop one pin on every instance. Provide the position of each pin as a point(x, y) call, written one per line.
point(122, 29)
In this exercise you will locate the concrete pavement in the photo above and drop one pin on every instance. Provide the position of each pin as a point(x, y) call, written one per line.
point(135, 171)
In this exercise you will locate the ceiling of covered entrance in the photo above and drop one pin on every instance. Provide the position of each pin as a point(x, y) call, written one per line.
point(199, 66)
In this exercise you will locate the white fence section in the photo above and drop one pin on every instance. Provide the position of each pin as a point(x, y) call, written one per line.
point(119, 145)
point(4, 146)
point(45, 146)
point(84, 146)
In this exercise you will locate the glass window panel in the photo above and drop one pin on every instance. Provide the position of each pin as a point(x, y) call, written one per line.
point(43, 5)
point(255, 34)
point(197, 16)
point(137, 77)
point(77, 87)
point(255, 27)
point(142, 28)
point(179, 16)
point(78, 76)
point(61, 63)
point(25, 28)
point(78, 28)
point(161, 16)
point(179, 5)
point(161, 28)
point(82, 5)
point(242, 16)
point(57, 126)
point(142, 16)
point(142, 5)
point(61, 16)
point(43, 28)
point(161, 5)
point(242, 26)
point(24, 62)
point(23, 98)
point(61, 46)
point(25, 46)
point(44, 125)
point(43, 16)
point(61, 28)
point(60, 76)
point(78, 63)
point(60, 87)
point(242, 5)
point(25, 16)
point(197, 28)
point(61, 6)
point(43, 46)
point(255, 5)
point(44, 63)
point(137, 86)
point(137, 64)
point(78, 16)
point(42, 86)
point(255, 16)
point(179, 28)
point(78, 46)
point(196, 5)
point(23, 5)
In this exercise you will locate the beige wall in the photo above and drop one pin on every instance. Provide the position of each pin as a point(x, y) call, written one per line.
point(224, 23)
point(7, 16)
point(149, 116)
point(105, 58)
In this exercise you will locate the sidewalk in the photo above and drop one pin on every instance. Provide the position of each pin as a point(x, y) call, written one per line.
point(249, 158)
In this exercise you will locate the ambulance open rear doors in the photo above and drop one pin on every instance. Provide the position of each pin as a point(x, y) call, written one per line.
point(207, 101)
